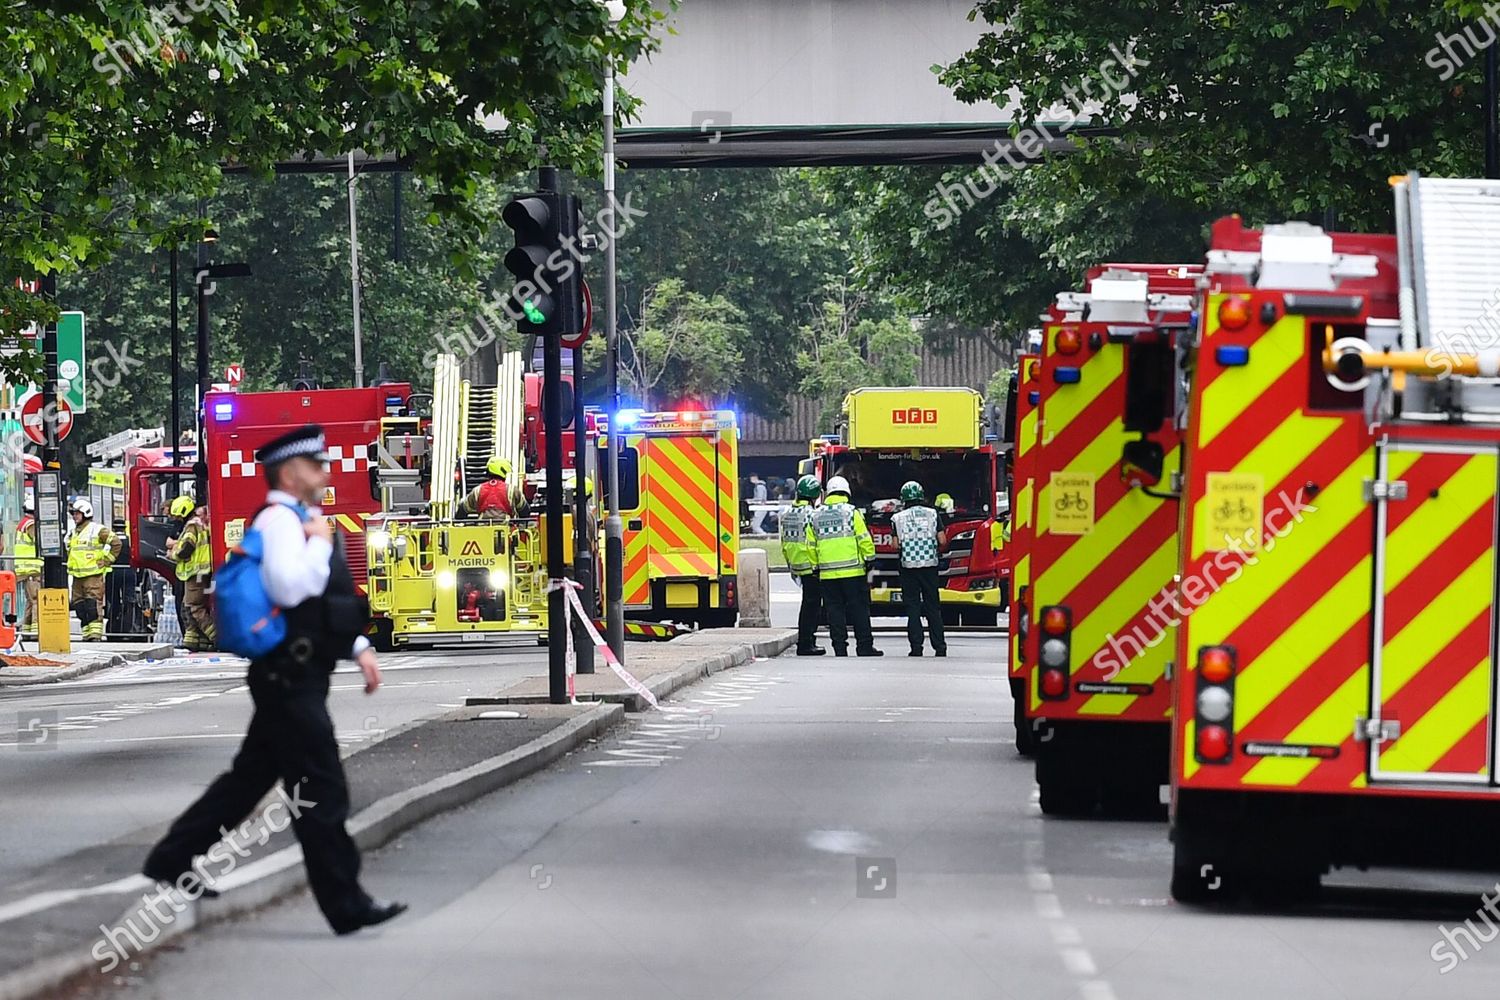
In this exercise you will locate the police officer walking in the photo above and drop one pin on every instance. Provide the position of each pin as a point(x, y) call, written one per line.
point(193, 556)
point(291, 735)
point(801, 559)
point(919, 538)
point(92, 550)
point(841, 546)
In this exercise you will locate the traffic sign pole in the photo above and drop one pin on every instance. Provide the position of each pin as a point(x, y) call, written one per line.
point(54, 571)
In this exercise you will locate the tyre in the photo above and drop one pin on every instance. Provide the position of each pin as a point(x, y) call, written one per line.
point(1066, 789)
point(1025, 741)
point(1202, 874)
point(987, 617)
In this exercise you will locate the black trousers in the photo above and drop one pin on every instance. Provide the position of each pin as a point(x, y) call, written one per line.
point(919, 592)
point(290, 738)
point(812, 608)
point(848, 601)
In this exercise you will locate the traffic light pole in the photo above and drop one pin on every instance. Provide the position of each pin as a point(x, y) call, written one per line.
point(54, 569)
point(583, 539)
point(614, 527)
point(557, 635)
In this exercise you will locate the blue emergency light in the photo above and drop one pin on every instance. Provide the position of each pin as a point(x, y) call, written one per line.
point(1067, 376)
point(629, 417)
point(1232, 355)
point(224, 410)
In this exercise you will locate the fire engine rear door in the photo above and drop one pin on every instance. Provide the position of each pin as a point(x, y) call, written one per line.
point(1432, 704)
point(682, 513)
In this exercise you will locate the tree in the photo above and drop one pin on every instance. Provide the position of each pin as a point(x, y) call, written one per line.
point(1277, 111)
point(105, 108)
point(843, 351)
point(683, 345)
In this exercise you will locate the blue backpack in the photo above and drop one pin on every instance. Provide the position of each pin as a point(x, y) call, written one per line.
point(249, 623)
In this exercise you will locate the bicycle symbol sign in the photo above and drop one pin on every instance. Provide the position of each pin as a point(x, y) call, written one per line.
point(1234, 504)
point(1071, 503)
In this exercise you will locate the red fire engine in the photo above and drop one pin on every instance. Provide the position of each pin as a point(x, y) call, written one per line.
point(1334, 699)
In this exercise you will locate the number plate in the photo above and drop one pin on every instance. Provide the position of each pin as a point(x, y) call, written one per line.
point(474, 637)
point(895, 597)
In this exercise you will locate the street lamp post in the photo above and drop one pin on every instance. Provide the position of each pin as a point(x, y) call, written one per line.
point(614, 527)
point(206, 277)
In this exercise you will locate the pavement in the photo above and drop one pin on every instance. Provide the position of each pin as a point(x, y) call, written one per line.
point(31, 667)
point(53, 896)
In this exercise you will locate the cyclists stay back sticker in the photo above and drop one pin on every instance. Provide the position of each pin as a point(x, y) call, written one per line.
point(1070, 503)
point(1233, 508)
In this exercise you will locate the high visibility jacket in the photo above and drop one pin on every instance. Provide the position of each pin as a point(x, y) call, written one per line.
point(841, 542)
point(92, 550)
point(490, 498)
point(27, 561)
point(917, 532)
point(800, 557)
point(193, 554)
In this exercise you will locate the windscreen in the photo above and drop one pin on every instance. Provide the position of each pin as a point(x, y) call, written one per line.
point(964, 475)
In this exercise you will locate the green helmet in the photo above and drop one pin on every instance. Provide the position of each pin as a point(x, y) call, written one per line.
point(808, 488)
point(911, 492)
point(498, 466)
point(182, 507)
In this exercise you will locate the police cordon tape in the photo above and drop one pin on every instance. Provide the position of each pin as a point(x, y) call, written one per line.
point(575, 606)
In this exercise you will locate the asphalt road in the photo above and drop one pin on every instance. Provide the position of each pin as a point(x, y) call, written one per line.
point(814, 828)
point(88, 763)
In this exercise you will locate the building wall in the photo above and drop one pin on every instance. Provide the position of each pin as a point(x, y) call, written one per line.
point(971, 362)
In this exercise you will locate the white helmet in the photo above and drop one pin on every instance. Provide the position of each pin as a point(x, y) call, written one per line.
point(838, 484)
point(84, 507)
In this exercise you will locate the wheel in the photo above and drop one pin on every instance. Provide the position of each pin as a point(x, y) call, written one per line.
point(1025, 742)
point(1201, 873)
point(1134, 799)
point(1066, 788)
point(382, 638)
point(987, 617)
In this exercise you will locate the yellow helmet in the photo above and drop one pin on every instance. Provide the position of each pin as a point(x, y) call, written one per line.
point(498, 466)
point(183, 506)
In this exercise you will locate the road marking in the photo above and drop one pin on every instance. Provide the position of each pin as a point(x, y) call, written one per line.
point(1066, 938)
point(55, 897)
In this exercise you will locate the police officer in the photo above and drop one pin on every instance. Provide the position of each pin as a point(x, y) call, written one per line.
point(919, 538)
point(842, 545)
point(291, 734)
point(92, 550)
point(802, 561)
point(28, 568)
point(490, 498)
point(193, 556)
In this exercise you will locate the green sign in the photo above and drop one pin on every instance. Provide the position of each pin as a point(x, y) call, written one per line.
point(72, 377)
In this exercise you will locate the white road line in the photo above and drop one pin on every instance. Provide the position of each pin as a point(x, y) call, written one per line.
point(54, 897)
point(1066, 938)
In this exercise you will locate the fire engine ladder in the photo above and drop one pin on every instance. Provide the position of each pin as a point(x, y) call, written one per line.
point(447, 418)
point(478, 432)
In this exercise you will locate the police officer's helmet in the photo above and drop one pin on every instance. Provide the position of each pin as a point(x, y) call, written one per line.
point(808, 488)
point(911, 492)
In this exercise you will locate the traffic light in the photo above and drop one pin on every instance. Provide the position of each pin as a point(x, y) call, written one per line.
point(547, 297)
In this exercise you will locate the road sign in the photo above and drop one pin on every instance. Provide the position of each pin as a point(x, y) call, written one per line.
point(31, 418)
point(234, 374)
point(574, 343)
point(72, 376)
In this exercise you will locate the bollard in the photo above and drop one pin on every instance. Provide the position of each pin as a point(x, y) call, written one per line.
point(755, 589)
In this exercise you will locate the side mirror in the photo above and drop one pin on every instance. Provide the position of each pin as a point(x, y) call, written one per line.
point(1141, 462)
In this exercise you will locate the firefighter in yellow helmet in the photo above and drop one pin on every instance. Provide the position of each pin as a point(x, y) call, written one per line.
point(92, 550)
point(491, 498)
point(192, 552)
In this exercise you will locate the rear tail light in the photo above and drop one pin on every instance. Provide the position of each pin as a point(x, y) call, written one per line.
point(1067, 341)
point(1055, 651)
point(1213, 704)
point(1234, 313)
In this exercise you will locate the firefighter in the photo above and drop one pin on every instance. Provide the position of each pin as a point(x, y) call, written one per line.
point(193, 556)
point(802, 561)
point(92, 550)
point(491, 498)
point(919, 538)
point(28, 569)
point(842, 546)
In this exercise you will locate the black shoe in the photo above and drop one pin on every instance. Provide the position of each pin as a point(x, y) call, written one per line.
point(940, 652)
point(915, 652)
point(374, 913)
point(870, 652)
point(206, 893)
point(815, 651)
point(840, 652)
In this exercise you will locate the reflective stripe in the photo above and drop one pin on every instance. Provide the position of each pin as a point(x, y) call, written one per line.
point(832, 534)
point(917, 530)
point(88, 553)
point(27, 563)
point(800, 557)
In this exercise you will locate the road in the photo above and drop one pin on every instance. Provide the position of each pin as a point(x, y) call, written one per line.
point(835, 828)
point(94, 766)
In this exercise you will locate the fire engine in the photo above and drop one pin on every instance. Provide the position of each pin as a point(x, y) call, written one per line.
point(1022, 407)
point(933, 436)
point(235, 425)
point(1335, 693)
point(1105, 542)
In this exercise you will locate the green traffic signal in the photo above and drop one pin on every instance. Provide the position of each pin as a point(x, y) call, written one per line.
point(533, 314)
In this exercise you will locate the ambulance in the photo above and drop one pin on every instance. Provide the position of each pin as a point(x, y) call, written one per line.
point(1105, 462)
point(1335, 667)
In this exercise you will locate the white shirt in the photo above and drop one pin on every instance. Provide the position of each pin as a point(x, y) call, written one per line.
point(293, 567)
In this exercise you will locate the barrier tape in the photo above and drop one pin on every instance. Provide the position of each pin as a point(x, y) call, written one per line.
point(573, 605)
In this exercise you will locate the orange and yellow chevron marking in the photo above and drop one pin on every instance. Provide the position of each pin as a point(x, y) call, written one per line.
point(1022, 538)
point(728, 497)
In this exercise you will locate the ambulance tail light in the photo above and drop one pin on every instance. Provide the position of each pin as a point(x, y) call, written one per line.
point(1055, 652)
point(1213, 704)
